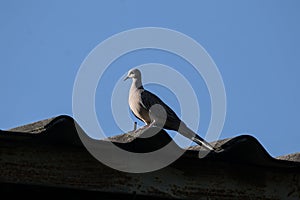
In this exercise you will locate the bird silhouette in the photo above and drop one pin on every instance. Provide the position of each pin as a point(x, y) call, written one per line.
point(150, 109)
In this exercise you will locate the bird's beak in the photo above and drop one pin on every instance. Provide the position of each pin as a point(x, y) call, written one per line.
point(126, 78)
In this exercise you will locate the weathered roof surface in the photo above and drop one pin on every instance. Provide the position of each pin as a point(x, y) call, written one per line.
point(49, 156)
point(291, 157)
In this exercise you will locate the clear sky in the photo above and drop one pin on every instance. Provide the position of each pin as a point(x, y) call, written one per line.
point(255, 44)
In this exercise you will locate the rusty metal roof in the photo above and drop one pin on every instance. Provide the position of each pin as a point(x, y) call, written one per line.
point(49, 156)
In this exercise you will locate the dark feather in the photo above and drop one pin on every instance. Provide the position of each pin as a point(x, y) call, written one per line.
point(135, 115)
point(149, 99)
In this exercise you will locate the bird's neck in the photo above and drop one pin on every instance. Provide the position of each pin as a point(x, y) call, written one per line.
point(136, 84)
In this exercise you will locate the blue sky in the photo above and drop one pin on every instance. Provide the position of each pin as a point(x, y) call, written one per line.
point(255, 45)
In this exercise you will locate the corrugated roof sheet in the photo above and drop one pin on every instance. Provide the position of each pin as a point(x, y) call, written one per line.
point(49, 153)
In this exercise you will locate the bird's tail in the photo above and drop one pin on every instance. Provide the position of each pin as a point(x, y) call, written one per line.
point(187, 132)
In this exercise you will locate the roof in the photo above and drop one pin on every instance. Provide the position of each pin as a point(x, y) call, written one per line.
point(48, 155)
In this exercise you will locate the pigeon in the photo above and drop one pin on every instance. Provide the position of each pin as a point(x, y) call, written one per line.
point(150, 109)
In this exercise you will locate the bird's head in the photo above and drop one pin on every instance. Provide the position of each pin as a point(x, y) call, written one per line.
point(134, 74)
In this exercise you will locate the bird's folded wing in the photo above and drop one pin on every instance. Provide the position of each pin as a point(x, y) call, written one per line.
point(148, 100)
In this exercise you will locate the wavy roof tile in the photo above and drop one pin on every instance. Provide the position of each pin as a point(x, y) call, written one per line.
point(49, 156)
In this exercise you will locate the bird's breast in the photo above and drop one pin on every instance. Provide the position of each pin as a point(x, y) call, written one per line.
point(134, 101)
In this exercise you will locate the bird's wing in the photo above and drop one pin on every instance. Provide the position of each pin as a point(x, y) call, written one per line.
point(136, 116)
point(149, 99)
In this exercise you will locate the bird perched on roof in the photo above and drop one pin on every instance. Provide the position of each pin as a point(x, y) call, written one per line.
point(150, 109)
